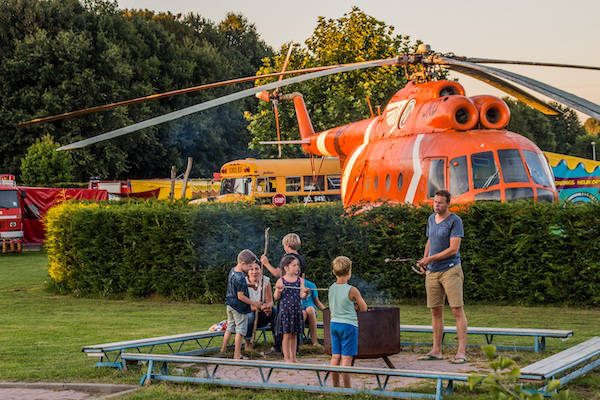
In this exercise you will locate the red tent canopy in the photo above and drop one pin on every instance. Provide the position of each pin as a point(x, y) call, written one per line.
point(39, 200)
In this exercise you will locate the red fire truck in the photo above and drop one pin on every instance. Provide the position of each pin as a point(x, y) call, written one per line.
point(11, 215)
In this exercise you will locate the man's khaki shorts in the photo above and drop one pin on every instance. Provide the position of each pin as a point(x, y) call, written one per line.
point(237, 322)
point(446, 283)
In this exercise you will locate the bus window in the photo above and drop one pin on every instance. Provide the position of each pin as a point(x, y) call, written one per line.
point(536, 168)
point(237, 186)
point(292, 184)
point(459, 179)
point(266, 185)
point(314, 184)
point(512, 166)
point(437, 177)
point(485, 172)
point(333, 182)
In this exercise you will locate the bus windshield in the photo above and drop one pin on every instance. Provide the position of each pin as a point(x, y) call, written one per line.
point(236, 186)
point(8, 199)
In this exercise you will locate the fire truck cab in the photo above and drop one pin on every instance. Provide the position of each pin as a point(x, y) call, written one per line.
point(11, 216)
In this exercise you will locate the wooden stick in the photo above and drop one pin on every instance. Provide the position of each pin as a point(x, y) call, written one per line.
point(266, 240)
point(298, 288)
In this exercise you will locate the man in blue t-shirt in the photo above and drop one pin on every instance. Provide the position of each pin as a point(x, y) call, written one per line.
point(444, 275)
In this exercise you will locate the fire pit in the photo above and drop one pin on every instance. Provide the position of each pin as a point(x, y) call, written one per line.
point(378, 333)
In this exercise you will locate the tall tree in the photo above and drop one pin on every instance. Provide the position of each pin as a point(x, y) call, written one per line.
point(592, 126)
point(62, 55)
point(338, 99)
point(43, 165)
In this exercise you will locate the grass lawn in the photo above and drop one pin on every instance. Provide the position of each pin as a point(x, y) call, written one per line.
point(41, 333)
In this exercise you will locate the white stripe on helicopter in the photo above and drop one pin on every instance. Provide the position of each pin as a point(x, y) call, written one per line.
point(321, 143)
point(354, 156)
point(414, 182)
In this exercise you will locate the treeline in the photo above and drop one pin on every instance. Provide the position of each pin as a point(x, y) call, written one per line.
point(63, 55)
point(522, 252)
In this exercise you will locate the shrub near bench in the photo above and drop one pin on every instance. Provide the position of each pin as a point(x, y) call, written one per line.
point(514, 253)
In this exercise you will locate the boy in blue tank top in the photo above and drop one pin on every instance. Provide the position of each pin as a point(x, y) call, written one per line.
point(344, 321)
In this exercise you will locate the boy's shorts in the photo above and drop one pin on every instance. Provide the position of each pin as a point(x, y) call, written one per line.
point(344, 339)
point(237, 322)
point(446, 283)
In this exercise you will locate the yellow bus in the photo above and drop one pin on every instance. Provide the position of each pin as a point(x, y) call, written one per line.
point(294, 180)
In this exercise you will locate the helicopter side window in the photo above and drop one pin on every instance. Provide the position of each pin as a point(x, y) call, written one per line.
point(512, 166)
point(536, 168)
point(388, 182)
point(400, 181)
point(376, 183)
point(292, 184)
point(459, 176)
point(485, 172)
point(437, 177)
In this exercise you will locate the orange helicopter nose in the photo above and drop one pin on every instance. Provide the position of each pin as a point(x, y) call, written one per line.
point(493, 112)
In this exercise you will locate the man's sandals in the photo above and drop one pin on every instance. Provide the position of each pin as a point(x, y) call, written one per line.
point(459, 360)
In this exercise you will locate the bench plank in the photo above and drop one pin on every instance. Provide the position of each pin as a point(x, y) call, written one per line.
point(557, 333)
point(553, 364)
point(154, 340)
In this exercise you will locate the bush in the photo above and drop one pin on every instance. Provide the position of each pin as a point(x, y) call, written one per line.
point(512, 253)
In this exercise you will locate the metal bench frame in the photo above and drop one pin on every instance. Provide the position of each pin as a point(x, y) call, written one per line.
point(160, 363)
point(574, 361)
point(111, 353)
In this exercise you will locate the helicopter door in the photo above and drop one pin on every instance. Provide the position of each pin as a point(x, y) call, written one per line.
point(436, 177)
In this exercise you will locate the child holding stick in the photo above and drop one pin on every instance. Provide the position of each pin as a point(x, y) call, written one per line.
point(290, 298)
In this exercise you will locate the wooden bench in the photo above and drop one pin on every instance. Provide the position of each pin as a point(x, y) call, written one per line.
point(566, 365)
point(110, 353)
point(322, 372)
point(539, 335)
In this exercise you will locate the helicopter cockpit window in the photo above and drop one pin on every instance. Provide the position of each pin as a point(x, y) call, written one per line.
point(266, 185)
point(485, 172)
point(512, 166)
point(237, 186)
point(333, 182)
point(311, 184)
point(514, 194)
point(536, 168)
point(292, 184)
point(545, 195)
point(437, 177)
point(459, 178)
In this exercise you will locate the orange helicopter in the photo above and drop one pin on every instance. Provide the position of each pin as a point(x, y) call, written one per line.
point(429, 136)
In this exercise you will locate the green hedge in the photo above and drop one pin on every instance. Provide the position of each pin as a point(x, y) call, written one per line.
point(512, 253)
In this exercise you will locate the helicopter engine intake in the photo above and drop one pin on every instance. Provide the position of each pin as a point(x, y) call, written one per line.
point(445, 113)
point(493, 112)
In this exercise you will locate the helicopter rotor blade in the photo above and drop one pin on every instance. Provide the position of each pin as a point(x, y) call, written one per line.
point(224, 100)
point(170, 93)
point(575, 102)
point(533, 63)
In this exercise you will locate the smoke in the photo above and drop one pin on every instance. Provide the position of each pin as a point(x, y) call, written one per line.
point(372, 290)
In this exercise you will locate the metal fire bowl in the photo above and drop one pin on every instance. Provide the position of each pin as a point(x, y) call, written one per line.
point(378, 332)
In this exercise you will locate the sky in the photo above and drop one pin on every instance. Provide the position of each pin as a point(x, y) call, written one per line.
point(550, 31)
